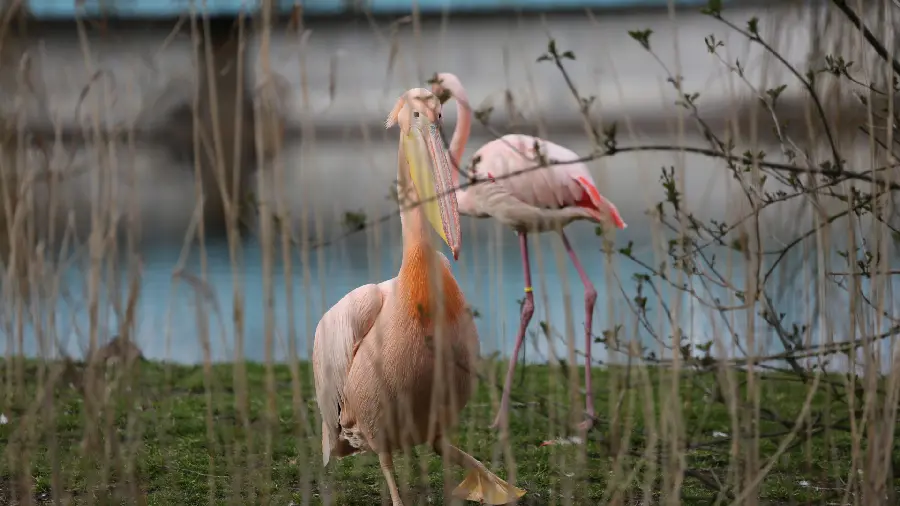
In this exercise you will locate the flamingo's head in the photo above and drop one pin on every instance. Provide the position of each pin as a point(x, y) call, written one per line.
point(445, 86)
point(418, 112)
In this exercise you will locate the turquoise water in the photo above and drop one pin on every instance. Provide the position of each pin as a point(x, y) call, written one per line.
point(489, 271)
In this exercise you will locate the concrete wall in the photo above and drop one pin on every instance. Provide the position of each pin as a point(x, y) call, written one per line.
point(338, 80)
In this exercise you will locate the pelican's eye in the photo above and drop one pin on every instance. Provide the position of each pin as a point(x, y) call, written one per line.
point(416, 114)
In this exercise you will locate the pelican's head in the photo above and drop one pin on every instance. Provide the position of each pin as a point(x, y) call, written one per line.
point(418, 112)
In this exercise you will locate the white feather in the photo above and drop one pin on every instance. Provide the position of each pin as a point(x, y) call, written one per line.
point(348, 321)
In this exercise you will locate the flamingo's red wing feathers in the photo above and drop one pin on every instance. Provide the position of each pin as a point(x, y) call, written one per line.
point(562, 185)
point(585, 201)
point(592, 199)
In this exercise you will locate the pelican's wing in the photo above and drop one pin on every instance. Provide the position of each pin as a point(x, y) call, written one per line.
point(337, 336)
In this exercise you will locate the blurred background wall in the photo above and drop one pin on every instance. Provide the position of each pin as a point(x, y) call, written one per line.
point(132, 71)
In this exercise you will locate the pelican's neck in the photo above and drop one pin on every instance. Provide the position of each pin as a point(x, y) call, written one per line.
point(420, 261)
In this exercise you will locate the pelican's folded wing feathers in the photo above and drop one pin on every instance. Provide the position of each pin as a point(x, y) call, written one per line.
point(337, 336)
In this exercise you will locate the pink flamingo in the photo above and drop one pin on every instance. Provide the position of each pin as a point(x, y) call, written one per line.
point(535, 201)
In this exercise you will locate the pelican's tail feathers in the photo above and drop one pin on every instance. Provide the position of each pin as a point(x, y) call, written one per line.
point(326, 445)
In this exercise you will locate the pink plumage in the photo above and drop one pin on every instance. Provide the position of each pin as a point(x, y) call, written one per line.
point(529, 198)
point(561, 185)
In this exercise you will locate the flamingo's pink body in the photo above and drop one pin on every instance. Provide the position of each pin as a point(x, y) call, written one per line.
point(535, 201)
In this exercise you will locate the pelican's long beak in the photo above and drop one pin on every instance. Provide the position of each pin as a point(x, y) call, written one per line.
point(430, 166)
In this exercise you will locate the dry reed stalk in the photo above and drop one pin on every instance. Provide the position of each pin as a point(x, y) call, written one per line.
point(648, 437)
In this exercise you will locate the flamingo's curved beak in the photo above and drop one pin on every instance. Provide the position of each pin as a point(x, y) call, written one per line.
point(429, 164)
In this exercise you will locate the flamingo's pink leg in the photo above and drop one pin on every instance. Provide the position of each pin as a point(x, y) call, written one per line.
point(527, 312)
point(590, 297)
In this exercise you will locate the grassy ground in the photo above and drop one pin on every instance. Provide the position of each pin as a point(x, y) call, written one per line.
point(186, 440)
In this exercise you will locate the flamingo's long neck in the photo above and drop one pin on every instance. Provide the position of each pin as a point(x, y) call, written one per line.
point(420, 262)
point(462, 130)
point(459, 140)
